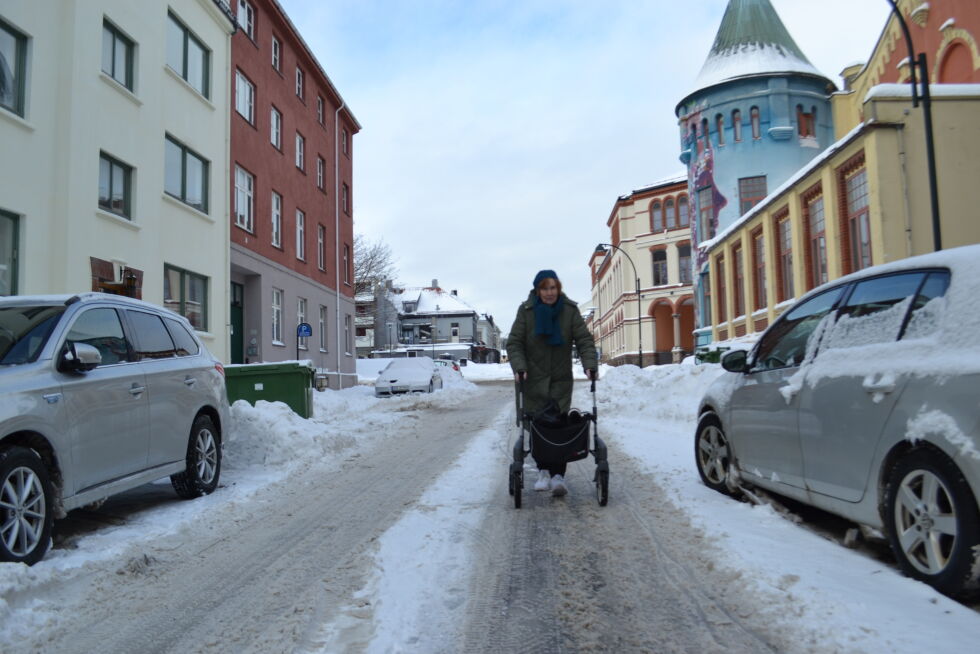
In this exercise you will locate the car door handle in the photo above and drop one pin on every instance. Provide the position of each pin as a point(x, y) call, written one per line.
point(190, 381)
point(136, 390)
point(881, 386)
point(52, 398)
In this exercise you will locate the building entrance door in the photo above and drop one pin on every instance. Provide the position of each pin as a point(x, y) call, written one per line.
point(237, 315)
point(8, 254)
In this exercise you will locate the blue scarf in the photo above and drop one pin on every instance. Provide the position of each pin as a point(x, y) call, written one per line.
point(546, 319)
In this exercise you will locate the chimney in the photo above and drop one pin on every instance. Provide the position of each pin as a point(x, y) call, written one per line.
point(453, 292)
point(435, 283)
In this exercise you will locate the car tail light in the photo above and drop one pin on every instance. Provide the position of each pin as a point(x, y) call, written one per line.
point(220, 368)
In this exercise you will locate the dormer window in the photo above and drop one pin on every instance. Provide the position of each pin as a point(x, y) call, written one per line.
point(409, 307)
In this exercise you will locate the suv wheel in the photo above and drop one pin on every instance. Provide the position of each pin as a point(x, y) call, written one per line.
point(713, 455)
point(26, 498)
point(203, 461)
point(932, 521)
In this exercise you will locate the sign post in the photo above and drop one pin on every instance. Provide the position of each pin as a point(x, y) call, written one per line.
point(303, 330)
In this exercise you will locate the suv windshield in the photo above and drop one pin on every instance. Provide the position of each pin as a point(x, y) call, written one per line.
point(24, 331)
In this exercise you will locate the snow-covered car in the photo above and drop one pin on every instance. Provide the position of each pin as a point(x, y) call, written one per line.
point(861, 400)
point(408, 375)
point(447, 363)
point(100, 394)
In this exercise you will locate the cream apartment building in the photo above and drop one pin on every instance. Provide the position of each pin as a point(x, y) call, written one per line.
point(114, 119)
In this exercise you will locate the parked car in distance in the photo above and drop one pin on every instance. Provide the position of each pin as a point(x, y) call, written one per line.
point(447, 363)
point(408, 375)
point(100, 394)
point(861, 400)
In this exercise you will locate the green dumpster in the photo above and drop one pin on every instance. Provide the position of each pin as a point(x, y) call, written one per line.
point(291, 383)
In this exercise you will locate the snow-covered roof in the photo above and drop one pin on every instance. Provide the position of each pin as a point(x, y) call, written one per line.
point(935, 90)
point(751, 41)
point(430, 300)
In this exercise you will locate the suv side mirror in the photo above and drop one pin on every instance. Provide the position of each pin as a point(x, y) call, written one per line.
point(79, 357)
point(735, 361)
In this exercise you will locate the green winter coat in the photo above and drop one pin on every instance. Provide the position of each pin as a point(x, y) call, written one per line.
point(549, 367)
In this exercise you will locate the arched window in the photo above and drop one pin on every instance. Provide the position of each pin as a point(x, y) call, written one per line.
point(656, 217)
point(756, 127)
point(682, 210)
point(720, 127)
point(695, 144)
point(705, 133)
point(737, 125)
point(670, 218)
point(805, 122)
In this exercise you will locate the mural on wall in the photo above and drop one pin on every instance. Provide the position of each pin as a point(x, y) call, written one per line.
point(699, 157)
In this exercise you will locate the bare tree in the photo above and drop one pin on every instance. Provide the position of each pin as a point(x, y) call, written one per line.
point(373, 263)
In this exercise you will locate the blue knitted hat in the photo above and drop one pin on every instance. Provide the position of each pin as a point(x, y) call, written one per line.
point(544, 274)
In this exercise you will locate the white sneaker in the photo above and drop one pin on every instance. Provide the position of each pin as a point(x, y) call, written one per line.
point(544, 481)
point(558, 487)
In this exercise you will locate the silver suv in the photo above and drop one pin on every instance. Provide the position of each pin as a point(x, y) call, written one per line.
point(99, 394)
point(861, 399)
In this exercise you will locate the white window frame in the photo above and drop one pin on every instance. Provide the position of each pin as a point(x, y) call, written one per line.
point(300, 151)
point(300, 235)
point(343, 136)
point(276, 218)
point(275, 128)
point(277, 296)
point(320, 172)
point(276, 54)
point(321, 247)
point(347, 334)
point(244, 199)
point(323, 328)
point(246, 18)
point(303, 341)
point(346, 264)
point(244, 97)
point(319, 109)
point(299, 83)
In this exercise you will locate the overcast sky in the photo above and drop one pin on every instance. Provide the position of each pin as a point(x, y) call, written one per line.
point(497, 134)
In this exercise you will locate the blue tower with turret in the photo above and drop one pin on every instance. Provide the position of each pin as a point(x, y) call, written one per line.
point(758, 112)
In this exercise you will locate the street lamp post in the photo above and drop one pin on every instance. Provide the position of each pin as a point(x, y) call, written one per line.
point(920, 62)
point(389, 338)
point(601, 248)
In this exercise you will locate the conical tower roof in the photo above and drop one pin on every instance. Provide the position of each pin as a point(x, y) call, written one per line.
point(752, 41)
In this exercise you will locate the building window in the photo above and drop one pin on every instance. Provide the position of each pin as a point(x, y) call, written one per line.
point(300, 235)
point(186, 175)
point(8, 253)
point(344, 141)
point(246, 18)
point(188, 57)
point(738, 281)
point(303, 341)
point(818, 241)
point(276, 219)
point(705, 133)
point(345, 199)
point(244, 202)
point(684, 260)
point(300, 149)
point(806, 122)
point(244, 97)
point(670, 216)
point(751, 191)
point(347, 264)
point(275, 128)
point(347, 335)
point(115, 185)
point(656, 217)
point(13, 69)
point(117, 55)
point(321, 247)
point(784, 236)
point(323, 328)
point(276, 54)
point(720, 273)
point(706, 222)
point(684, 219)
point(660, 268)
point(705, 306)
point(759, 265)
point(737, 125)
point(756, 126)
point(299, 83)
point(319, 109)
point(720, 127)
point(320, 172)
point(858, 219)
point(186, 293)
point(277, 316)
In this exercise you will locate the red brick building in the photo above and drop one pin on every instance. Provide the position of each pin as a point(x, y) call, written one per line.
point(291, 199)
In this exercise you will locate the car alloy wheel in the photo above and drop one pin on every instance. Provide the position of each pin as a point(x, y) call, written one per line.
point(200, 477)
point(207, 455)
point(25, 501)
point(712, 454)
point(931, 517)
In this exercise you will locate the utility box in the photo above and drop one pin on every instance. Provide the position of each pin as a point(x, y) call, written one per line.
point(291, 383)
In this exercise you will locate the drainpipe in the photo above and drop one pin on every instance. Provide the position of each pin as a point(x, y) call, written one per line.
point(905, 190)
point(336, 228)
